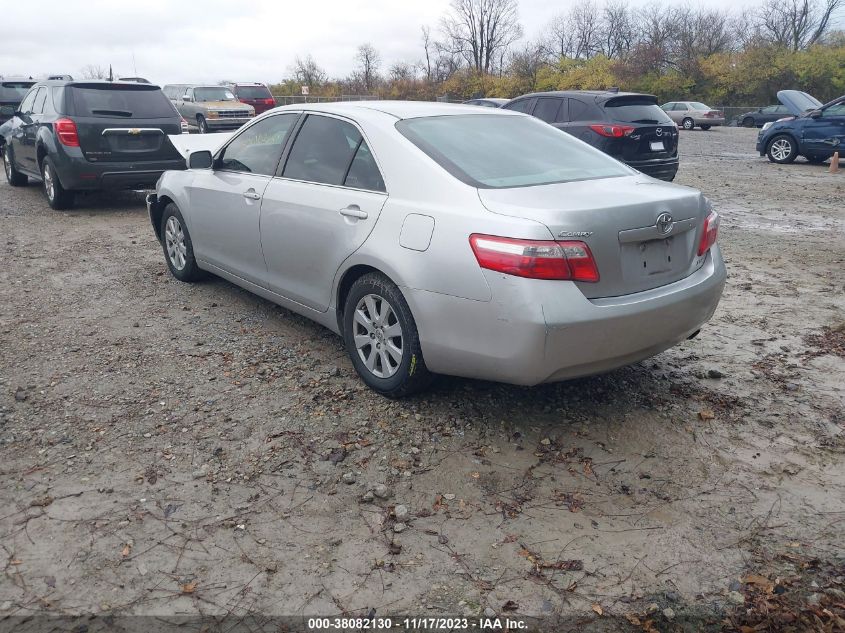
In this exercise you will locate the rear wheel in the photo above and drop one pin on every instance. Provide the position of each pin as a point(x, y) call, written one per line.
point(58, 197)
point(688, 123)
point(201, 124)
point(177, 245)
point(13, 176)
point(381, 338)
point(748, 122)
point(705, 127)
point(782, 149)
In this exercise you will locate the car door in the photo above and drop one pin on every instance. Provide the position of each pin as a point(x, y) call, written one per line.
point(186, 107)
point(825, 133)
point(320, 209)
point(24, 157)
point(225, 201)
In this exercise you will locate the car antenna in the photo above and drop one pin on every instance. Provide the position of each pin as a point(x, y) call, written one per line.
point(111, 74)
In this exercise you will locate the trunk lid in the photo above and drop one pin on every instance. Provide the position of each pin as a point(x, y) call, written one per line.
point(649, 141)
point(635, 245)
point(124, 122)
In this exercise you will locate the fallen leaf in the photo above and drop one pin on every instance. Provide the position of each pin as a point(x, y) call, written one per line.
point(633, 618)
point(127, 549)
point(597, 608)
point(41, 502)
point(759, 581)
point(706, 414)
point(189, 587)
point(510, 605)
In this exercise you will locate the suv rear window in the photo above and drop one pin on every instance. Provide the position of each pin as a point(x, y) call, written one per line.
point(131, 102)
point(14, 90)
point(636, 111)
point(253, 92)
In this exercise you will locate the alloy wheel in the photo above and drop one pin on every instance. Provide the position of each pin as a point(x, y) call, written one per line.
point(689, 124)
point(378, 336)
point(781, 149)
point(174, 238)
point(49, 183)
point(7, 160)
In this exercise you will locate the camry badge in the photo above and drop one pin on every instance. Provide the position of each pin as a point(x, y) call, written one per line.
point(664, 223)
point(575, 234)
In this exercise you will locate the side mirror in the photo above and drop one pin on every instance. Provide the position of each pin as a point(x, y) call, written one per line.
point(201, 159)
point(187, 98)
point(815, 114)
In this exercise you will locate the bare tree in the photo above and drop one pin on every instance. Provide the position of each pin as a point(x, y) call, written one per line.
point(525, 64)
point(428, 48)
point(796, 24)
point(307, 72)
point(402, 71)
point(616, 32)
point(478, 30)
point(94, 71)
point(369, 61)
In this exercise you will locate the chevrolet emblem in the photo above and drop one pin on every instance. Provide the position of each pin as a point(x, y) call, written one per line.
point(135, 131)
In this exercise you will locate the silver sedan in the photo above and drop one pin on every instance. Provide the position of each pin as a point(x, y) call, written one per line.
point(444, 239)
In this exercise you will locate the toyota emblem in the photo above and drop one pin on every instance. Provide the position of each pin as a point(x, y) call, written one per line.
point(664, 223)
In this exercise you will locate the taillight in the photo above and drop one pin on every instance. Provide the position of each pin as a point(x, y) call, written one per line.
point(269, 102)
point(535, 259)
point(709, 233)
point(612, 131)
point(67, 132)
point(183, 125)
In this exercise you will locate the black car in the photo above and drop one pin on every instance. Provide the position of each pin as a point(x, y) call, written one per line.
point(12, 92)
point(89, 136)
point(630, 127)
point(761, 116)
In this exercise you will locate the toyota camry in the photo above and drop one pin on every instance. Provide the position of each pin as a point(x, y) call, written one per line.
point(447, 239)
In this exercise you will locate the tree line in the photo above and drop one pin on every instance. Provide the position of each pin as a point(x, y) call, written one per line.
point(676, 52)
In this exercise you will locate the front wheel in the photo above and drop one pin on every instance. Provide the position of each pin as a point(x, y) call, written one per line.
point(381, 338)
point(177, 245)
point(748, 122)
point(201, 124)
point(13, 176)
point(782, 149)
point(58, 197)
point(688, 123)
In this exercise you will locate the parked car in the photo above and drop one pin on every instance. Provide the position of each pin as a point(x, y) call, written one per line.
point(255, 94)
point(688, 114)
point(210, 108)
point(761, 116)
point(628, 126)
point(488, 102)
point(91, 135)
point(814, 131)
point(441, 238)
point(12, 91)
point(60, 78)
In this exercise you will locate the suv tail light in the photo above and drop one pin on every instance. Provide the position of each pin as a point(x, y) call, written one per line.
point(269, 101)
point(67, 132)
point(709, 233)
point(535, 259)
point(612, 131)
point(183, 126)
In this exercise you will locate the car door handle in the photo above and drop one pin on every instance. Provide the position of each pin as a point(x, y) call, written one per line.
point(251, 194)
point(354, 211)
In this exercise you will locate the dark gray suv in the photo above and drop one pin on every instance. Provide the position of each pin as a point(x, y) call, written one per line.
point(78, 136)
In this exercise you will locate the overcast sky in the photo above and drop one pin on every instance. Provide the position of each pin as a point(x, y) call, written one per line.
point(256, 40)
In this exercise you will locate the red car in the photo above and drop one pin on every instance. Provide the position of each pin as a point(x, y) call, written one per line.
point(256, 95)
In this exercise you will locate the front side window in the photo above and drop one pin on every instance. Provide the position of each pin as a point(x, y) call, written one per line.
point(323, 151)
point(834, 110)
point(213, 93)
point(26, 104)
point(495, 151)
point(258, 148)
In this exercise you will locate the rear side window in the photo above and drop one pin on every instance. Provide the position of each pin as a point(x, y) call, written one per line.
point(323, 151)
point(547, 109)
point(258, 148)
point(579, 111)
point(363, 172)
point(252, 92)
point(14, 90)
point(635, 111)
point(122, 101)
point(524, 105)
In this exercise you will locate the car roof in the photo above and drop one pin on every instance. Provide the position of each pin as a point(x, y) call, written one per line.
point(398, 109)
point(598, 95)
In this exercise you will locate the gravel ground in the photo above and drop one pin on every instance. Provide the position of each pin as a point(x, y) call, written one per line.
point(172, 449)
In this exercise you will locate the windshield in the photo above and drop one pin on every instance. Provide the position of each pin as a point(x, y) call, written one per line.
point(254, 92)
point(213, 94)
point(14, 90)
point(494, 151)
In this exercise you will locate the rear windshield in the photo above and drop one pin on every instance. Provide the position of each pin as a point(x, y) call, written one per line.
point(121, 101)
point(636, 112)
point(496, 152)
point(213, 94)
point(253, 92)
point(14, 90)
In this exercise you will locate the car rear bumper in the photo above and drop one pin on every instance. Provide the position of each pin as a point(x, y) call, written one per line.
point(535, 331)
point(79, 174)
point(708, 121)
point(662, 168)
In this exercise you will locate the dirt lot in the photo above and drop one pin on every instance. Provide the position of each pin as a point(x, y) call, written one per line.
point(175, 450)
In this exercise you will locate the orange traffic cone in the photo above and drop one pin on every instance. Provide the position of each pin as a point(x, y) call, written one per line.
point(834, 163)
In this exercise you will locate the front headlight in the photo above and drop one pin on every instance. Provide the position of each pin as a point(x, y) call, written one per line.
point(213, 114)
point(766, 126)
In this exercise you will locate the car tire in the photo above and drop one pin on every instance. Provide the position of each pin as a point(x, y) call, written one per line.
point(688, 123)
point(58, 197)
point(202, 126)
point(748, 122)
point(705, 127)
point(782, 149)
point(13, 176)
point(177, 246)
point(375, 315)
